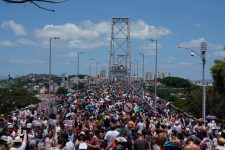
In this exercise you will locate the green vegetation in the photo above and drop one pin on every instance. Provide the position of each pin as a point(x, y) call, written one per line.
point(62, 90)
point(13, 97)
point(218, 74)
point(175, 82)
point(188, 97)
point(81, 85)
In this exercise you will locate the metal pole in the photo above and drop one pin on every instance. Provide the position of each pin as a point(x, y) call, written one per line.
point(137, 68)
point(89, 74)
point(203, 51)
point(156, 63)
point(49, 77)
point(96, 69)
point(50, 67)
point(202, 56)
point(78, 61)
point(203, 90)
point(143, 74)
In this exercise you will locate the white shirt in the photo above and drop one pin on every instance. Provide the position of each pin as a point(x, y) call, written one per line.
point(140, 127)
point(69, 146)
point(22, 147)
point(110, 136)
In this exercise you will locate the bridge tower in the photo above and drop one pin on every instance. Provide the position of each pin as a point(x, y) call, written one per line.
point(120, 52)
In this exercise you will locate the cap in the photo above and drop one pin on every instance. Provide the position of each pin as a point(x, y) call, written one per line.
point(5, 138)
point(17, 139)
point(29, 125)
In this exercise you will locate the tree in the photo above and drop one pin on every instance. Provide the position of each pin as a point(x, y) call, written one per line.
point(15, 97)
point(80, 86)
point(218, 74)
point(36, 2)
point(62, 90)
point(176, 82)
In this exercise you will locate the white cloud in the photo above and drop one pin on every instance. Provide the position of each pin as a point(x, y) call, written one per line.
point(26, 42)
point(219, 53)
point(87, 44)
point(150, 48)
point(70, 31)
point(193, 43)
point(18, 42)
point(92, 35)
point(7, 43)
point(141, 30)
point(214, 49)
point(18, 29)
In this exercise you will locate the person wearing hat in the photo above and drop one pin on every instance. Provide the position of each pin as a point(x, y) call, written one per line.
point(81, 142)
point(18, 143)
point(4, 141)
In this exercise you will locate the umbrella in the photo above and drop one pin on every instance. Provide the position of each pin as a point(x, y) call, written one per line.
point(68, 94)
point(210, 117)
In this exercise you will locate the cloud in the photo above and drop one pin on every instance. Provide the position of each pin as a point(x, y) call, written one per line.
point(18, 29)
point(150, 48)
point(92, 35)
point(18, 42)
point(216, 50)
point(141, 30)
point(69, 31)
point(219, 53)
point(7, 43)
point(193, 43)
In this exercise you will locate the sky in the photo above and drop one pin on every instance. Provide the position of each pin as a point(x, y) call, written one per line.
point(85, 26)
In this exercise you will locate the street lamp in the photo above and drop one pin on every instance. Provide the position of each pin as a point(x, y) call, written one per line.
point(143, 73)
point(156, 61)
point(91, 59)
point(50, 65)
point(133, 78)
point(50, 61)
point(202, 57)
point(78, 65)
point(137, 68)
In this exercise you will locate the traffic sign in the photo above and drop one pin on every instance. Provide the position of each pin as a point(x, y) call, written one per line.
point(128, 107)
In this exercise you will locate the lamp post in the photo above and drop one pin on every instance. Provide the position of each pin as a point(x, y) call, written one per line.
point(50, 67)
point(137, 67)
point(202, 57)
point(143, 73)
point(50, 61)
point(156, 65)
point(78, 65)
point(91, 59)
point(133, 79)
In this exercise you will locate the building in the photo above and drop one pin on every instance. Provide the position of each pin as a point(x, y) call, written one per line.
point(151, 75)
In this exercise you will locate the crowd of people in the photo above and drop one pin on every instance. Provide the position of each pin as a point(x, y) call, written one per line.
point(96, 119)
